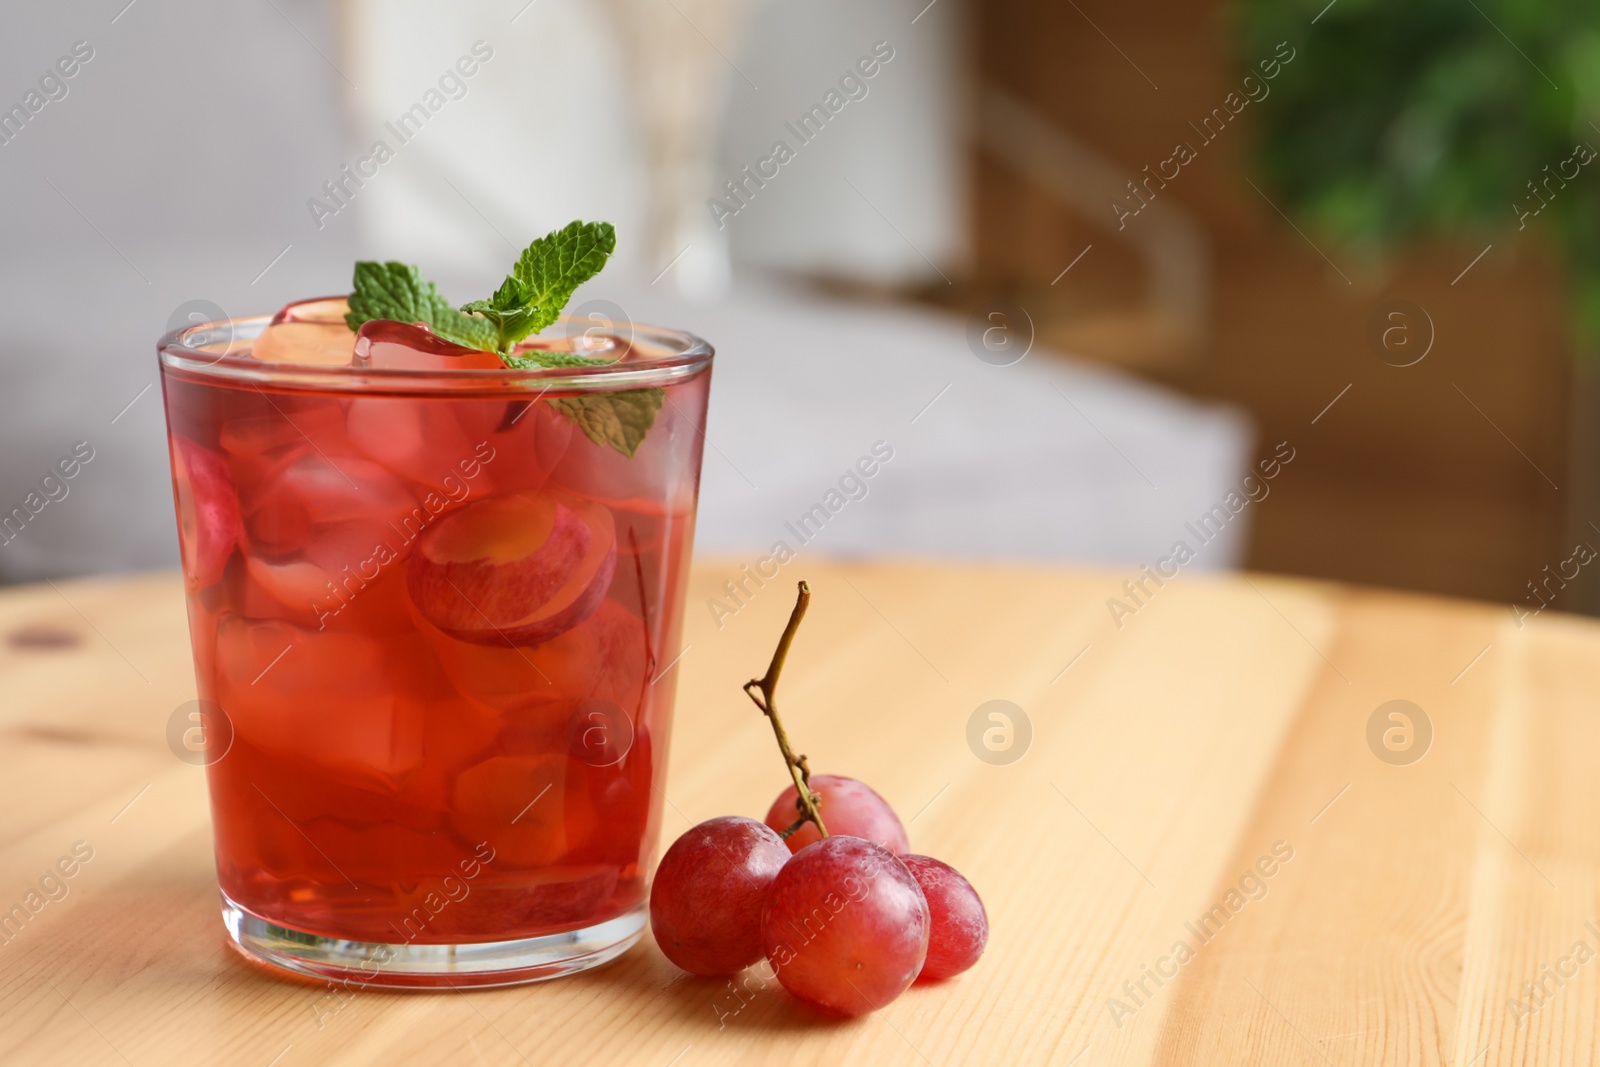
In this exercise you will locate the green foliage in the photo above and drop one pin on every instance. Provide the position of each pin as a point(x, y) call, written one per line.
point(1411, 118)
point(546, 275)
point(541, 282)
point(398, 292)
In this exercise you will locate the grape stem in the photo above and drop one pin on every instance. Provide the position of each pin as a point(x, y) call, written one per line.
point(762, 691)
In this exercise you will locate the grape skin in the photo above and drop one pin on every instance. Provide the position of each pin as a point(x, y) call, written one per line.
point(849, 809)
point(705, 904)
point(960, 927)
point(845, 926)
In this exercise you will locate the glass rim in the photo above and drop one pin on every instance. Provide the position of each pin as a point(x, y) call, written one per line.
point(679, 355)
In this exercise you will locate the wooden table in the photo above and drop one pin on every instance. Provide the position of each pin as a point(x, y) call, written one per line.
point(1220, 732)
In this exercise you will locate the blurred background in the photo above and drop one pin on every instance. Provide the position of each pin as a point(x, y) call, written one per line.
point(1083, 267)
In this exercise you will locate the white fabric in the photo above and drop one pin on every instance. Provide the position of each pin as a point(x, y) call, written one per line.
point(542, 135)
point(880, 193)
point(1044, 459)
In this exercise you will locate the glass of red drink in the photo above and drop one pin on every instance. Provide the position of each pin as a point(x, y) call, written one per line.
point(435, 608)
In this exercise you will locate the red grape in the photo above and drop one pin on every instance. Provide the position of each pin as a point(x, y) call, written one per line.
point(845, 926)
point(705, 905)
point(960, 926)
point(849, 808)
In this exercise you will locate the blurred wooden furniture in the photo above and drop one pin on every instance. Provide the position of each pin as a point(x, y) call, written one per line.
point(1464, 474)
point(1164, 328)
point(1200, 776)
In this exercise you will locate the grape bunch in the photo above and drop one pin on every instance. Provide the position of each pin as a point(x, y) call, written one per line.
point(827, 889)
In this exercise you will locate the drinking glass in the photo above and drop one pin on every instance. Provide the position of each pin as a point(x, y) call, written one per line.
point(435, 613)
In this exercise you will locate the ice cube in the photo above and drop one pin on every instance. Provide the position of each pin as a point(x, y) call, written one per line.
point(325, 310)
point(412, 346)
point(333, 698)
point(314, 488)
point(310, 332)
point(458, 733)
point(330, 529)
point(601, 659)
point(294, 588)
point(489, 798)
point(318, 344)
point(421, 440)
point(258, 434)
point(531, 431)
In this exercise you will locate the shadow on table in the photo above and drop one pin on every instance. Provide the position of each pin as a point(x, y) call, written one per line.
point(747, 1003)
point(144, 955)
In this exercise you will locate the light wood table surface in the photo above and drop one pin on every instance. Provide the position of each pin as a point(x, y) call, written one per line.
point(1227, 718)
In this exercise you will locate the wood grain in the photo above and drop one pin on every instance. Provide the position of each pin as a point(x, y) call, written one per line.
point(1168, 757)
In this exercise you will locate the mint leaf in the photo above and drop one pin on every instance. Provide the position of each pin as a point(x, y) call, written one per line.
point(537, 357)
point(509, 310)
point(532, 297)
point(618, 420)
point(397, 292)
point(547, 273)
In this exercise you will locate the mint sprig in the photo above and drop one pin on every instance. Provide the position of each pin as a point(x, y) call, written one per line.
point(546, 275)
point(397, 291)
point(532, 296)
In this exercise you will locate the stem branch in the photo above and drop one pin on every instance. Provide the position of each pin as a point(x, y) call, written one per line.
point(766, 686)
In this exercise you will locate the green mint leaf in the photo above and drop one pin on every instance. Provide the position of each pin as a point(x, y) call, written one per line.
point(397, 291)
point(547, 273)
point(509, 301)
point(538, 357)
point(618, 420)
point(532, 297)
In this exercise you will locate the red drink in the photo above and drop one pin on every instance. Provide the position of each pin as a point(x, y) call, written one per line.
point(438, 620)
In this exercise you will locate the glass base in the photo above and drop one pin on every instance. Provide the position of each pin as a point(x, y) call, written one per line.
point(478, 964)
